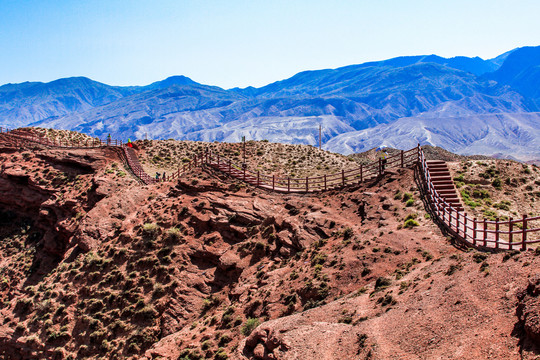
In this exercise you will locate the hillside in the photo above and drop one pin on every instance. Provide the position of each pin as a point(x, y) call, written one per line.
point(498, 188)
point(426, 98)
point(94, 265)
point(269, 158)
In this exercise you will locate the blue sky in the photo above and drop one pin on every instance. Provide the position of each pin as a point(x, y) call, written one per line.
point(241, 43)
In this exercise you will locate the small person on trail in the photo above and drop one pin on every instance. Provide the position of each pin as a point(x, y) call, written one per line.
point(157, 176)
point(129, 144)
point(164, 176)
point(109, 139)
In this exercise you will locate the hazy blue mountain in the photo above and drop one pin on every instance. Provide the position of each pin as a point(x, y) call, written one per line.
point(423, 98)
point(170, 81)
point(499, 60)
point(503, 135)
point(29, 102)
point(21, 104)
point(167, 112)
point(474, 65)
point(521, 71)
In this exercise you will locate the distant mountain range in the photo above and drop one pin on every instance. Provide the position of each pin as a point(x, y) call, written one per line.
point(466, 105)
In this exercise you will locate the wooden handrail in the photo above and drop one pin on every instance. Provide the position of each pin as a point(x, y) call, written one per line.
point(472, 231)
point(479, 231)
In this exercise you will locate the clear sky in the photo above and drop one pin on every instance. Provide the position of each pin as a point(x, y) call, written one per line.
point(245, 42)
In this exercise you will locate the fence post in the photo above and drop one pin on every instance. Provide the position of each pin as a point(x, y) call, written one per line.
point(307, 184)
point(457, 221)
point(289, 184)
point(244, 168)
point(361, 172)
point(450, 218)
point(273, 182)
point(510, 235)
point(496, 233)
point(324, 182)
point(402, 160)
point(485, 232)
point(474, 232)
point(524, 234)
point(258, 178)
point(343, 176)
point(465, 226)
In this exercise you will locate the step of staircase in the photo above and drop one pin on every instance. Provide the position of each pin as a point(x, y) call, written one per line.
point(443, 183)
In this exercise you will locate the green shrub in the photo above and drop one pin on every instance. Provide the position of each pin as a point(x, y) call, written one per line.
point(410, 223)
point(150, 231)
point(503, 205)
point(221, 355)
point(209, 303)
point(411, 216)
point(318, 259)
point(480, 194)
point(224, 340)
point(382, 283)
point(479, 257)
point(249, 326)
point(174, 235)
point(146, 313)
point(409, 202)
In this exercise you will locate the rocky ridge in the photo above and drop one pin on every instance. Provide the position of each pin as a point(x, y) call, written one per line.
point(189, 270)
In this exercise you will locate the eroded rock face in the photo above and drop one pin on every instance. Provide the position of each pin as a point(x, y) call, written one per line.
point(36, 184)
point(528, 309)
point(296, 338)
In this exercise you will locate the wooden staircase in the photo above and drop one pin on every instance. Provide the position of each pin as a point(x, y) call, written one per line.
point(443, 183)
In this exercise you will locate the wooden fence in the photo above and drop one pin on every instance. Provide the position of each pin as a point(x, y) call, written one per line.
point(26, 136)
point(127, 154)
point(314, 183)
point(508, 234)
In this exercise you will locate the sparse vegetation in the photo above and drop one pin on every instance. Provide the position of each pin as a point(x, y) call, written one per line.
point(220, 267)
point(249, 326)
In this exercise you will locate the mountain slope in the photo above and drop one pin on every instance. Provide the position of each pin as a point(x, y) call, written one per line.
point(29, 102)
point(343, 100)
point(502, 135)
point(26, 103)
point(167, 111)
point(521, 71)
point(350, 98)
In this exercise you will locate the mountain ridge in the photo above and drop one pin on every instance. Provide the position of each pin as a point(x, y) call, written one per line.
point(348, 99)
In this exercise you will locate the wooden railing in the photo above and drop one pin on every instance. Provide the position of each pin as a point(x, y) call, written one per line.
point(60, 143)
point(509, 234)
point(126, 152)
point(314, 183)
